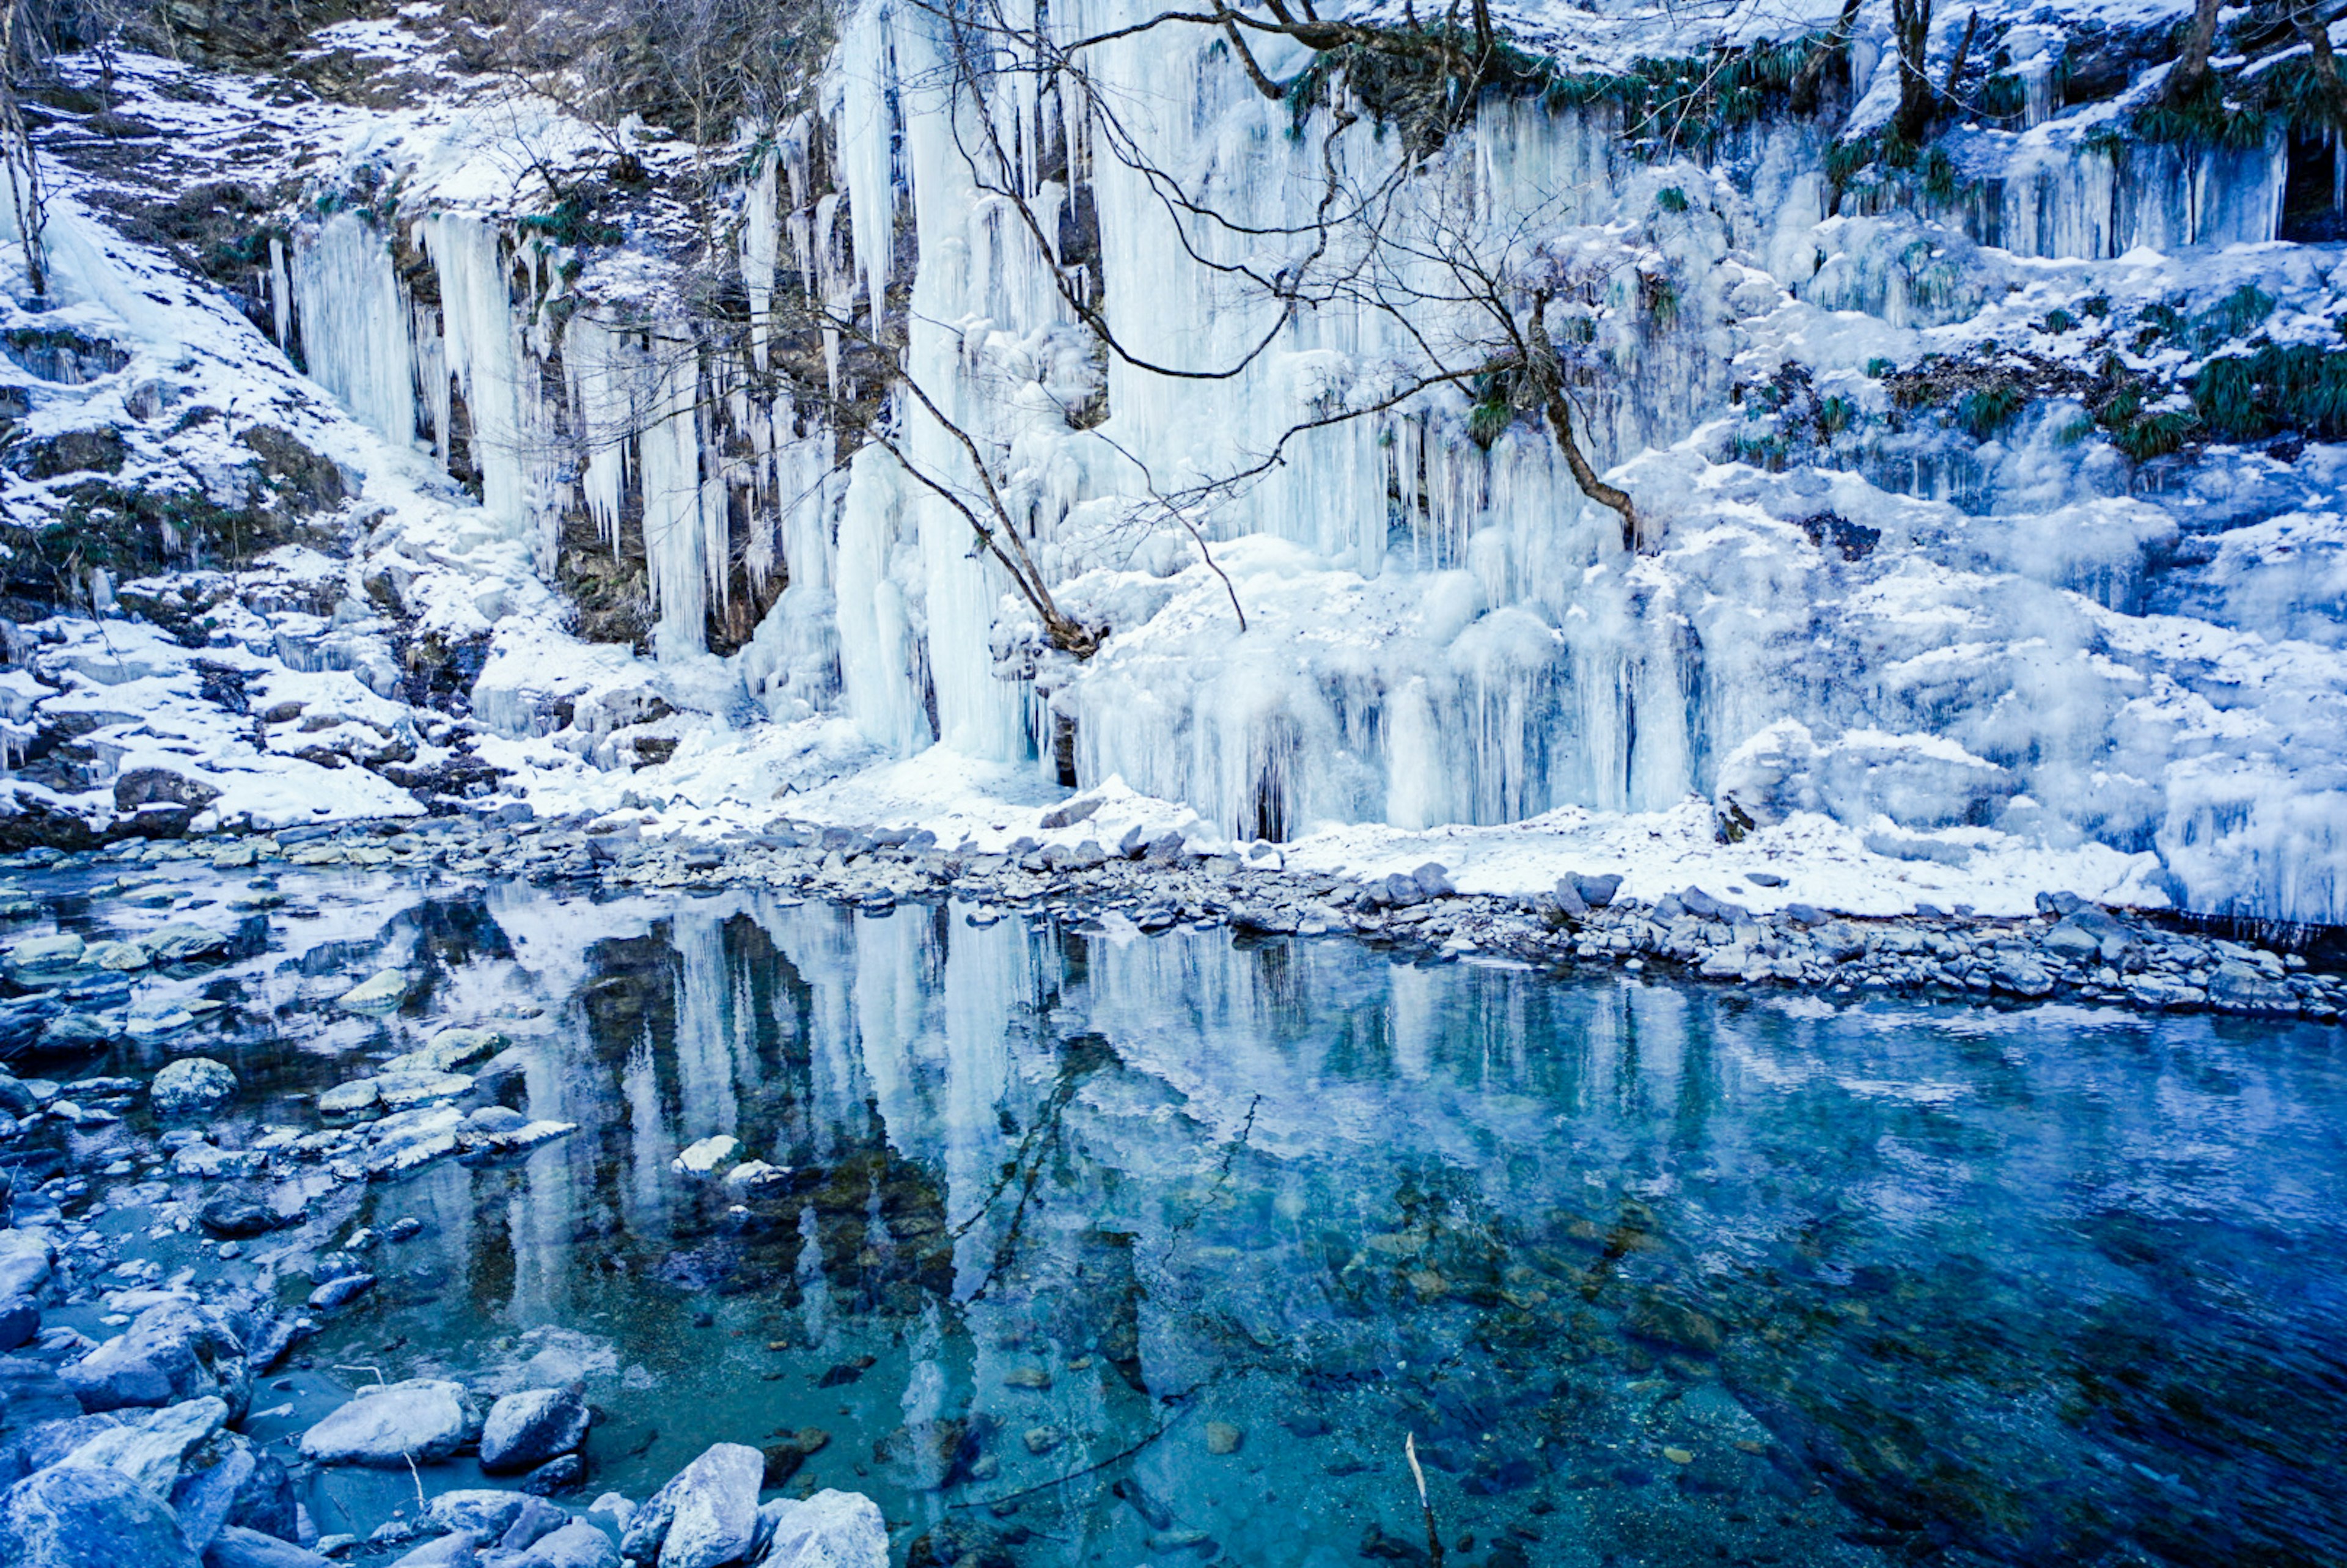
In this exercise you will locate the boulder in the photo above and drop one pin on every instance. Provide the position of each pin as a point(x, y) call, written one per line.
point(577, 1545)
point(228, 1482)
point(829, 1530)
point(422, 1419)
point(526, 1429)
point(705, 1516)
point(32, 1393)
point(485, 1512)
point(148, 1448)
point(1433, 880)
point(2239, 987)
point(1596, 891)
point(407, 1139)
point(37, 958)
point(20, 1319)
point(237, 1547)
point(533, 1517)
point(174, 1350)
point(457, 1551)
point(26, 1255)
point(79, 1516)
point(192, 1084)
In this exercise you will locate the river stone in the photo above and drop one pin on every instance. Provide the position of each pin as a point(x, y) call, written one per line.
point(422, 1419)
point(339, 1292)
point(347, 1099)
point(20, 1319)
point(26, 1254)
point(172, 1351)
point(228, 1482)
point(407, 1139)
point(830, 1530)
point(236, 1218)
point(399, 1090)
point(184, 943)
point(526, 1429)
point(381, 992)
point(457, 1551)
point(118, 955)
point(577, 1545)
point(560, 1473)
point(706, 1515)
point(191, 1083)
point(78, 1516)
point(42, 955)
point(2239, 987)
point(148, 1449)
point(699, 1159)
point(237, 1547)
point(486, 1512)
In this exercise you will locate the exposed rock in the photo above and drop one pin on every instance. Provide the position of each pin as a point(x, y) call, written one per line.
point(705, 1516)
point(339, 1292)
point(236, 1218)
point(237, 1547)
point(149, 1448)
point(191, 1083)
point(184, 942)
point(142, 787)
point(381, 992)
point(701, 1158)
point(526, 1429)
point(26, 1255)
point(457, 1550)
point(560, 1473)
point(78, 1516)
point(422, 1419)
point(2239, 987)
point(20, 1319)
point(829, 1530)
point(174, 1350)
point(228, 1482)
point(577, 1545)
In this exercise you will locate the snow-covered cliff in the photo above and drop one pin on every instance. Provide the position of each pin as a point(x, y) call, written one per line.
point(1988, 501)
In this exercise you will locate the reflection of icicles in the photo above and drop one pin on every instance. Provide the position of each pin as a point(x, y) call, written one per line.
point(708, 1027)
point(649, 1146)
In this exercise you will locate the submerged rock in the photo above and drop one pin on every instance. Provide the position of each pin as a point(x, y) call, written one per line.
point(381, 992)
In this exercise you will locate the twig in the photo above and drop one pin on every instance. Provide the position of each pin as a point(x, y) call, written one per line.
point(1433, 1536)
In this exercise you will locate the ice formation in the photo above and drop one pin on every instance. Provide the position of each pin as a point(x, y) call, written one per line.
point(1945, 644)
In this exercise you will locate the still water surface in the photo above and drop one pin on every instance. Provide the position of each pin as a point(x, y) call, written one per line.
point(1651, 1274)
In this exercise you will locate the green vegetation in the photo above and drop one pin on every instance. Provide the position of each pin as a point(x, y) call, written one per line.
point(572, 224)
point(2250, 396)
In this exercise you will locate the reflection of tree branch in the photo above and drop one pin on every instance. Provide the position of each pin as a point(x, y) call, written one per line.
point(1222, 1180)
point(1181, 1403)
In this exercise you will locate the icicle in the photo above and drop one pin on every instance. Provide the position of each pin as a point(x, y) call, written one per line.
point(281, 294)
point(355, 324)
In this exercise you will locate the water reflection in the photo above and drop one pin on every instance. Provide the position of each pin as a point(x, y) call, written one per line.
point(1653, 1275)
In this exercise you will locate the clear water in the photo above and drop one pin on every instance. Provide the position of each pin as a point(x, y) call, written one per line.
point(1648, 1275)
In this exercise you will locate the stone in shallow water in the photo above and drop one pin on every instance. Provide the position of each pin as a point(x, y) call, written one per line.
point(701, 1158)
point(560, 1473)
point(79, 1516)
point(184, 943)
point(1222, 1438)
point(348, 1099)
point(457, 1551)
point(401, 1090)
point(341, 1292)
point(526, 1429)
point(380, 992)
point(423, 1418)
point(191, 1083)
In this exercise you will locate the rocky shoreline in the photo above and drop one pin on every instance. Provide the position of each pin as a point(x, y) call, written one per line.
point(2070, 949)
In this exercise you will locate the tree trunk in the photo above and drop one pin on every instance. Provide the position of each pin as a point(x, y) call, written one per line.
point(2192, 59)
point(1911, 25)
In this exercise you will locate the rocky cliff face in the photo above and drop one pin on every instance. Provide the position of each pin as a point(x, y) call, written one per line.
point(1103, 399)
